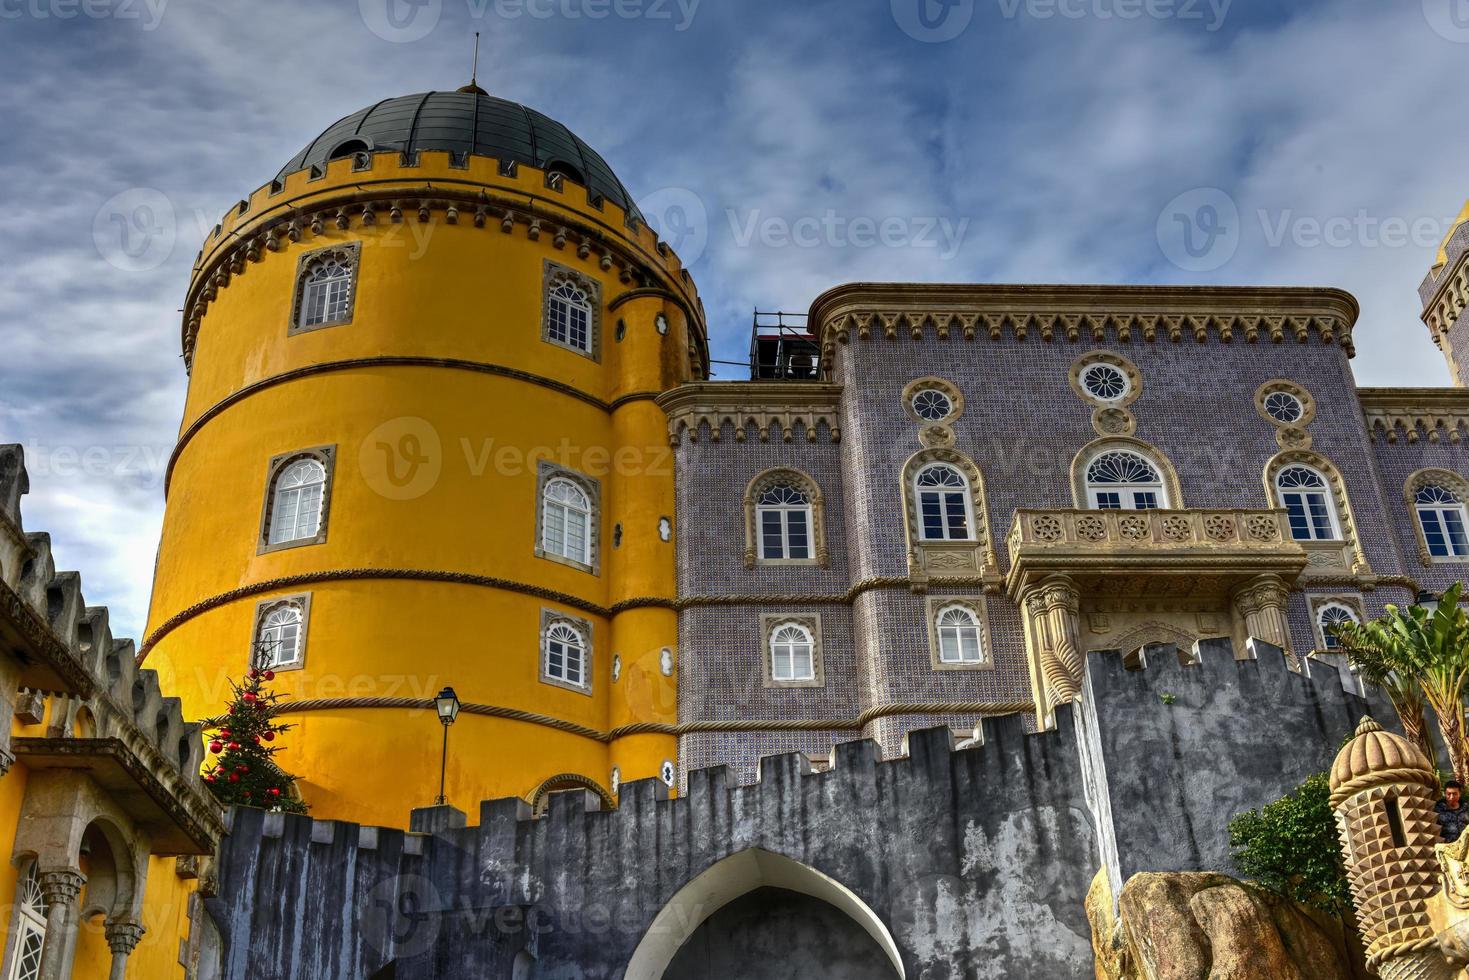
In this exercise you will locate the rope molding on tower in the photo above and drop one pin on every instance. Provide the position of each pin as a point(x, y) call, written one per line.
point(658, 728)
point(330, 367)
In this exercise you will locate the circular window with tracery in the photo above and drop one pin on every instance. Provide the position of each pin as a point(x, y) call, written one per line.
point(1105, 382)
point(1284, 407)
point(932, 405)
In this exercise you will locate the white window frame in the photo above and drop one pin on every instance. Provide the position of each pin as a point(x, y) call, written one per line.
point(29, 923)
point(323, 457)
point(344, 302)
point(1328, 643)
point(966, 489)
point(806, 627)
point(1441, 510)
point(563, 516)
point(791, 637)
point(294, 493)
point(784, 513)
point(567, 294)
point(959, 631)
point(555, 627)
point(270, 609)
point(1126, 493)
point(1098, 366)
point(1282, 495)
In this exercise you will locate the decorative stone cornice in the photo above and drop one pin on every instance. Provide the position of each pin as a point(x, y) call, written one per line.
point(1449, 298)
point(767, 405)
point(1413, 414)
point(1091, 314)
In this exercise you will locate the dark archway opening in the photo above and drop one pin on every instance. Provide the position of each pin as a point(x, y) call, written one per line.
point(776, 934)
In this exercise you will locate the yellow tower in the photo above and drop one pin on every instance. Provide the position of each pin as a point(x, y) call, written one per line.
point(420, 449)
point(1382, 790)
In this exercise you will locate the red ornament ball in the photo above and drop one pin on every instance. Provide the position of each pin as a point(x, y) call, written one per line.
point(269, 736)
point(273, 791)
point(216, 747)
point(248, 697)
point(209, 777)
point(234, 778)
point(242, 768)
point(269, 675)
point(234, 746)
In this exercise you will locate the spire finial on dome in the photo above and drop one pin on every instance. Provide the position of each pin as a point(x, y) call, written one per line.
point(473, 86)
point(1367, 726)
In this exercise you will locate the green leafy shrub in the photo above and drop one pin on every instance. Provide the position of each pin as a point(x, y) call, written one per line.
point(1291, 848)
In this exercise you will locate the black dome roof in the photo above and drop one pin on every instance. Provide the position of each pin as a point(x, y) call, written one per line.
point(467, 121)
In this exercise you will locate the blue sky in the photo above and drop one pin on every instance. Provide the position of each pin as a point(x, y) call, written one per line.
point(784, 146)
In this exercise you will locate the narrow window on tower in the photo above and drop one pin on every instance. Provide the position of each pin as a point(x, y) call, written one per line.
point(572, 314)
point(567, 517)
point(297, 499)
point(566, 651)
point(279, 639)
point(326, 287)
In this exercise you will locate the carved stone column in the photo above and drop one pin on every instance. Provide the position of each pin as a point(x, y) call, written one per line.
point(60, 888)
point(122, 938)
point(1053, 608)
point(1261, 604)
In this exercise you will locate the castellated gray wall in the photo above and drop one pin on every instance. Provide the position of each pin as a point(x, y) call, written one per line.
point(1178, 751)
point(977, 861)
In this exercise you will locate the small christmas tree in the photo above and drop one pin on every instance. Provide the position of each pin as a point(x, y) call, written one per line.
point(245, 774)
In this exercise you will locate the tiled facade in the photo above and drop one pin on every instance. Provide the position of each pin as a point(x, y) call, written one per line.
point(1022, 424)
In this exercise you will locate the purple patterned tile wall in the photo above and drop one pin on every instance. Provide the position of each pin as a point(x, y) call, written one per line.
point(1022, 425)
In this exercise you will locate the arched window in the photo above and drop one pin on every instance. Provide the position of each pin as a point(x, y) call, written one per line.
point(1330, 615)
point(30, 927)
point(784, 519)
point(569, 317)
point(566, 654)
point(325, 287)
point(1307, 500)
point(945, 511)
point(959, 636)
point(297, 499)
point(566, 521)
point(1123, 480)
point(1441, 516)
point(792, 653)
point(279, 633)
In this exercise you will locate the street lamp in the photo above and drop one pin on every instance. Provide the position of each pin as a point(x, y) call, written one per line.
point(447, 705)
point(1428, 601)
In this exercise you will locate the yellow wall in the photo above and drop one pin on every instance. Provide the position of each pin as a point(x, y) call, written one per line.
point(449, 292)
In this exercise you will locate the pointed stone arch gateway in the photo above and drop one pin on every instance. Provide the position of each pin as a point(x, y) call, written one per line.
point(736, 876)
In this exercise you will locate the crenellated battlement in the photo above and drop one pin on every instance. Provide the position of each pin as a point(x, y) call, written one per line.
point(84, 685)
point(389, 188)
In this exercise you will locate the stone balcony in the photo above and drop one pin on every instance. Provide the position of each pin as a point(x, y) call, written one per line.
point(1180, 552)
point(1123, 579)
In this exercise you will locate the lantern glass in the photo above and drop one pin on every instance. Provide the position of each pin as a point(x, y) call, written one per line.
point(447, 705)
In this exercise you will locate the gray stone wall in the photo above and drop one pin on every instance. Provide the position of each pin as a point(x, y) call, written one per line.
point(977, 863)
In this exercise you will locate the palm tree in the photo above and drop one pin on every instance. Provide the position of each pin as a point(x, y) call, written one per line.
point(1420, 652)
point(1382, 664)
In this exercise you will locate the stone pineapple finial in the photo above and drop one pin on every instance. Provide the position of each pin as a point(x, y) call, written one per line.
point(1383, 790)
